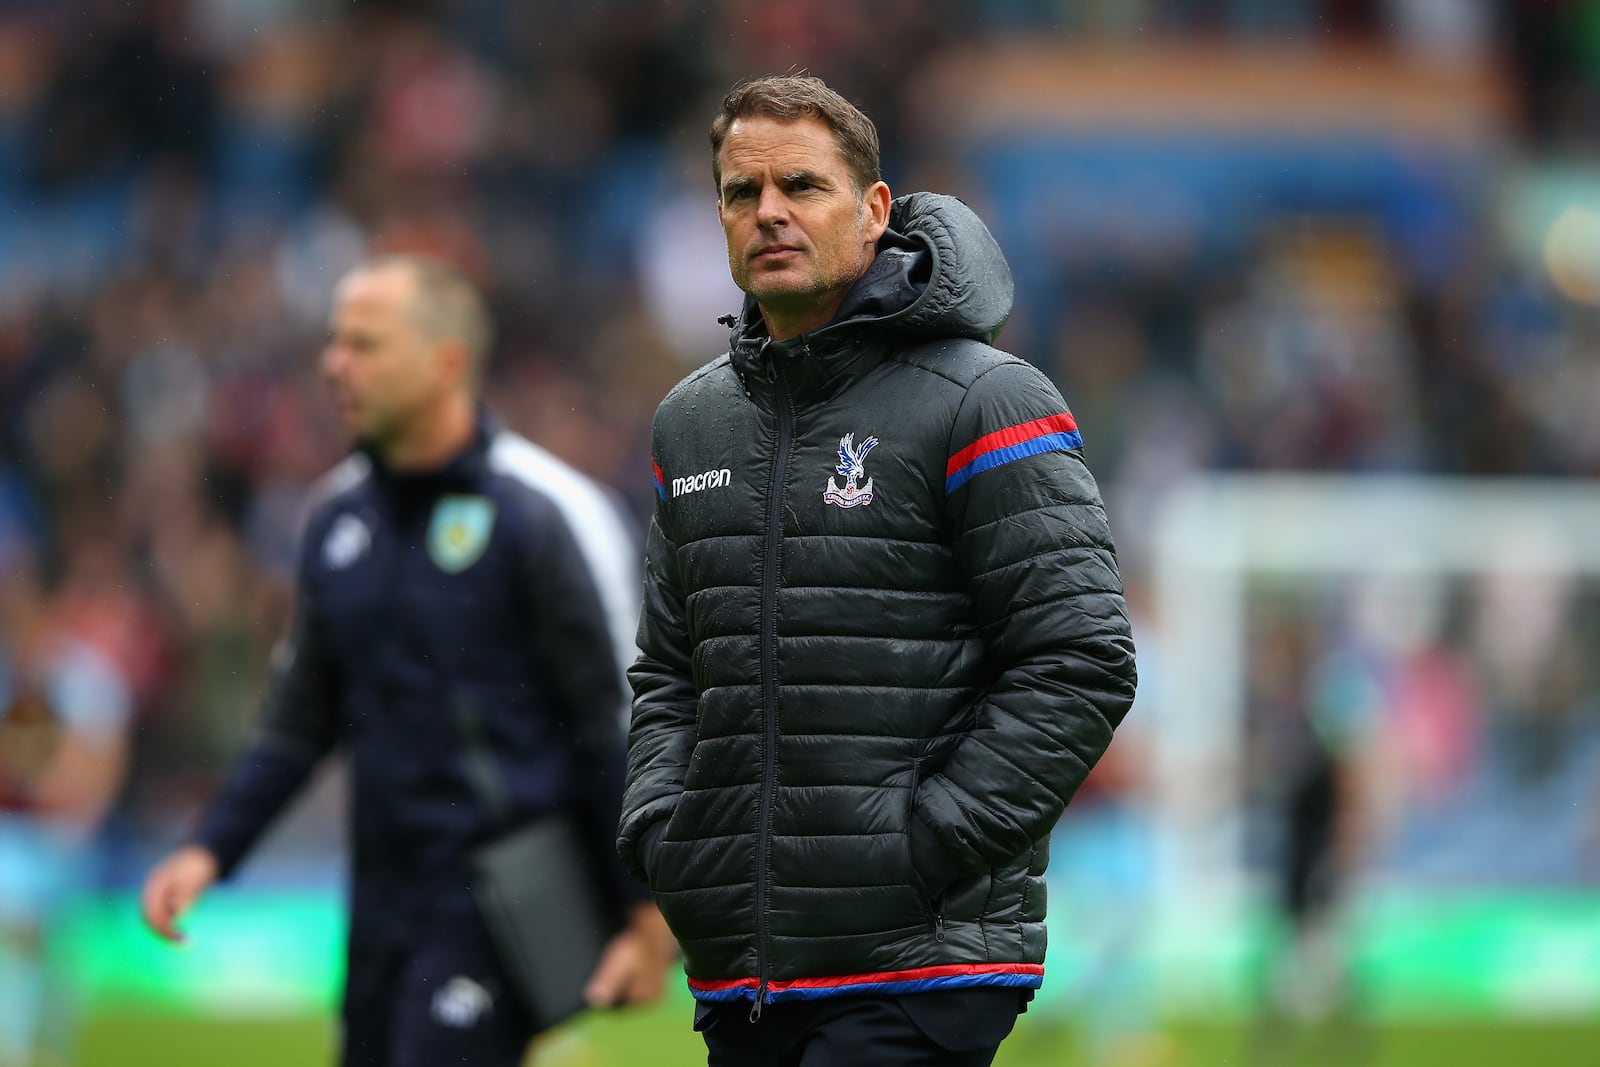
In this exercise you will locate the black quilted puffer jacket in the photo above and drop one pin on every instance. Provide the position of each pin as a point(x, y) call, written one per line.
point(883, 640)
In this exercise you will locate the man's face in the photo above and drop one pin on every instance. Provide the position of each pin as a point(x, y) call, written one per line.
point(799, 234)
point(383, 370)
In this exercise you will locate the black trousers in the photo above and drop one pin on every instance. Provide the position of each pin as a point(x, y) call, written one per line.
point(947, 1028)
point(440, 999)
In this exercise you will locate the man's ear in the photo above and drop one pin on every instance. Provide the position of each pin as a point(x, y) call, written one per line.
point(455, 361)
point(876, 202)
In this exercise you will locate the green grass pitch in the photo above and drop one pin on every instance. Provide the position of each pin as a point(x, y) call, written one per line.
point(661, 1037)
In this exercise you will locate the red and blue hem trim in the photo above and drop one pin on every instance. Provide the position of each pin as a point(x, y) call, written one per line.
point(892, 983)
point(1057, 433)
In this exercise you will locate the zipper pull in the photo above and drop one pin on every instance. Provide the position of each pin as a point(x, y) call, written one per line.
point(938, 917)
point(761, 996)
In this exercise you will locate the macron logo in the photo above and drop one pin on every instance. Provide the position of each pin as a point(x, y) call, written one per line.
point(696, 483)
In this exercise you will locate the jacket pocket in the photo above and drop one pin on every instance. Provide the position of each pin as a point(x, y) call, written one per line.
point(648, 851)
point(910, 821)
point(932, 903)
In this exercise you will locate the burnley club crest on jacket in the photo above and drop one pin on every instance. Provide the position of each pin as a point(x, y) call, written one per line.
point(852, 465)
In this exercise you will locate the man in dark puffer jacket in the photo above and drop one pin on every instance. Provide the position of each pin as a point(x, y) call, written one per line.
point(883, 638)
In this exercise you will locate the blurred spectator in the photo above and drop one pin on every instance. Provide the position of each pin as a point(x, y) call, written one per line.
point(132, 92)
point(65, 711)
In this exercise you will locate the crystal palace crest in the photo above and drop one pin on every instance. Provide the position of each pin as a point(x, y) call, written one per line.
point(852, 466)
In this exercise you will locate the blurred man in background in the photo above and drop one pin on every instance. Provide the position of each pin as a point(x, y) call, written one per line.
point(1314, 702)
point(884, 636)
point(64, 719)
point(464, 602)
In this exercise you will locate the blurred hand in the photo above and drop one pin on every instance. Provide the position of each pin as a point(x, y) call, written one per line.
point(633, 967)
point(173, 886)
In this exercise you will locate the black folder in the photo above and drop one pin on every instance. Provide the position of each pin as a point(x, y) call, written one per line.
point(547, 913)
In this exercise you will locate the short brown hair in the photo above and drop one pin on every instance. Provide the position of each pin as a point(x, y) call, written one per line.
point(795, 96)
point(448, 305)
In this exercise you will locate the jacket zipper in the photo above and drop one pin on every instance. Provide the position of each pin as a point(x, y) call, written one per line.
point(939, 902)
point(769, 676)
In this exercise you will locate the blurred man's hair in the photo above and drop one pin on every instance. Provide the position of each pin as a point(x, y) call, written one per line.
point(798, 96)
point(448, 306)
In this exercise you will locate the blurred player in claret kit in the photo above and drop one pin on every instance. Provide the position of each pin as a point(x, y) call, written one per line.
point(65, 713)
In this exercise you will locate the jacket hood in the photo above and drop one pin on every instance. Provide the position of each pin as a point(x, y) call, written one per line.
point(938, 273)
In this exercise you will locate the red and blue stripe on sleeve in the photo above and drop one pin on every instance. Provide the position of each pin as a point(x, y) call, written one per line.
point(661, 482)
point(1057, 433)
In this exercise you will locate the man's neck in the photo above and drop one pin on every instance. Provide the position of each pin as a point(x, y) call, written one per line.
point(435, 438)
point(781, 326)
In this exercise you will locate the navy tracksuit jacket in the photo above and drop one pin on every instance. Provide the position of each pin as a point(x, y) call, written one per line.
point(504, 584)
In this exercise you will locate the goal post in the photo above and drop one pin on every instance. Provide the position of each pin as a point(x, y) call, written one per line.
point(1212, 538)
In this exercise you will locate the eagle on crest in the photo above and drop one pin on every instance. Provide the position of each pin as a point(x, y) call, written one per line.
point(852, 465)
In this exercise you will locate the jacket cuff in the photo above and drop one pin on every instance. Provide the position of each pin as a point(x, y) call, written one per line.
point(934, 864)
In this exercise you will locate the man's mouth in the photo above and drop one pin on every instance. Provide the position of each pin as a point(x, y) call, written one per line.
point(770, 252)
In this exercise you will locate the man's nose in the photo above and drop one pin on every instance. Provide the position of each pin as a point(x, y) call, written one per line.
point(773, 207)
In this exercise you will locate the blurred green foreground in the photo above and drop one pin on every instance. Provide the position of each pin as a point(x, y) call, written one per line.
point(662, 1037)
point(256, 984)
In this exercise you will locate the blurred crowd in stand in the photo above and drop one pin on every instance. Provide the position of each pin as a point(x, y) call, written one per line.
point(181, 183)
